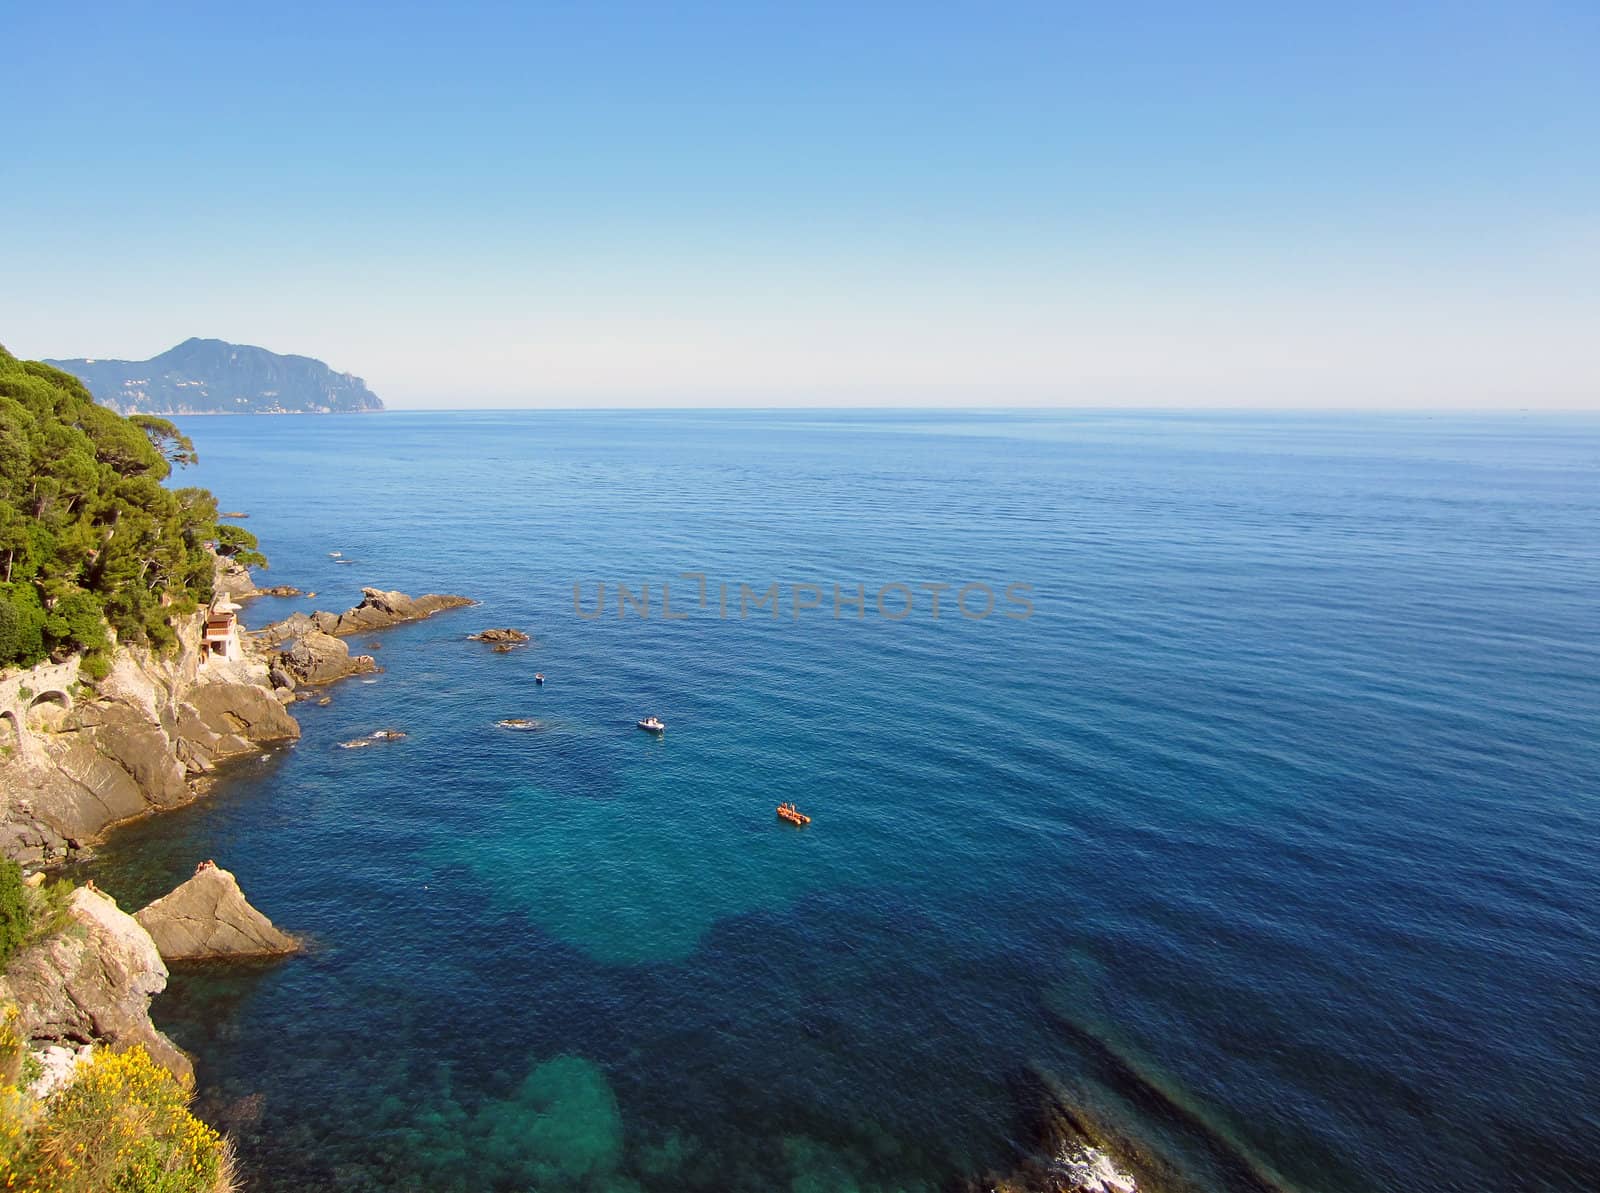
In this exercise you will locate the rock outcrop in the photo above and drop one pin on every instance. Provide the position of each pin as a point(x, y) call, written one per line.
point(208, 916)
point(378, 610)
point(317, 658)
point(506, 635)
point(235, 580)
point(92, 983)
point(294, 626)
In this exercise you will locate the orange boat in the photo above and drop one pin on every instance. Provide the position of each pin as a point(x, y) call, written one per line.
point(792, 814)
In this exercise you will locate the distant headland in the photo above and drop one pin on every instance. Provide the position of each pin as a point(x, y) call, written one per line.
point(215, 377)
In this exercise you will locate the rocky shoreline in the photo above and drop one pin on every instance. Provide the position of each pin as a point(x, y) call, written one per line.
point(137, 742)
point(147, 738)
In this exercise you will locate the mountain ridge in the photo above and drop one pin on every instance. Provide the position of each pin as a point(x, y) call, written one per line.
point(207, 376)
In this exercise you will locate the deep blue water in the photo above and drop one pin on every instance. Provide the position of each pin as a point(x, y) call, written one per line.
point(1273, 833)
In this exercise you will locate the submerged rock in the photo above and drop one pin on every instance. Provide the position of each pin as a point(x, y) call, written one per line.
point(560, 1128)
point(1069, 1143)
point(208, 916)
point(373, 738)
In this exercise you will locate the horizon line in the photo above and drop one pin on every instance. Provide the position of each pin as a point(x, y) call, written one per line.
point(658, 408)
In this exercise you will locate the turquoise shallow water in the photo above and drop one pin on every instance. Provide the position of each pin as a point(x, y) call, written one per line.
point(1272, 833)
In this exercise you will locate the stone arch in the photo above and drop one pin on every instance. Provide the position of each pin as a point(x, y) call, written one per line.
point(56, 696)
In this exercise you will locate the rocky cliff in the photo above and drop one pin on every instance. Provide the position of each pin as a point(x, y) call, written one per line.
point(92, 983)
point(132, 744)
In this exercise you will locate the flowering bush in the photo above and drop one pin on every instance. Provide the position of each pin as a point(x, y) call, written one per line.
point(122, 1126)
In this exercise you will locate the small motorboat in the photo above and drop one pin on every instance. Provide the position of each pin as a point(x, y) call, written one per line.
point(792, 814)
point(538, 677)
point(653, 725)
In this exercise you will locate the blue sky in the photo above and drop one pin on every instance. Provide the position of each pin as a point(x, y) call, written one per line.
point(877, 204)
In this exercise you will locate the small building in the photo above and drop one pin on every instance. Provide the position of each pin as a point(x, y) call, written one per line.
point(221, 638)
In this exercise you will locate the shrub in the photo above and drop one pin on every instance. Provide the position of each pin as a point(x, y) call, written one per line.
point(123, 1124)
point(47, 909)
point(16, 916)
point(28, 913)
point(14, 1104)
point(13, 1048)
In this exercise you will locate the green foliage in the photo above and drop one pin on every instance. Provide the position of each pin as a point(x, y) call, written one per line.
point(239, 545)
point(28, 913)
point(47, 908)
point(16, 915)
point(89, 536)
point(165, 437)
point(21, 624)
point(75, 620)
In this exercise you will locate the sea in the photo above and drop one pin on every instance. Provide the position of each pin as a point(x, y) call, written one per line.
point(1243, 792)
